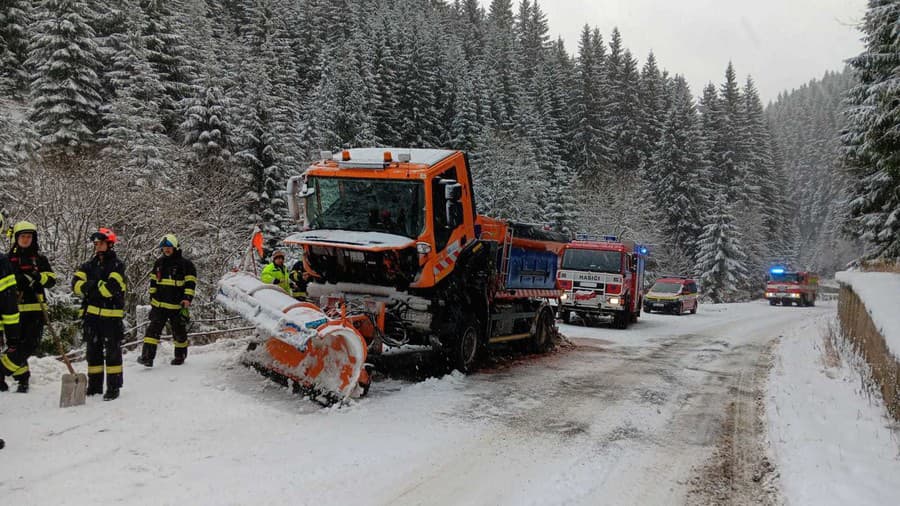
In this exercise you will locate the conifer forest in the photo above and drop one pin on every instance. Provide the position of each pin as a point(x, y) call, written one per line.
point(188, 116)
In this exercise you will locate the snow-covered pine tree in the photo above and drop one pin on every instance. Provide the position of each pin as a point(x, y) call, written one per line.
point(14, 22)
point(65, 88)
point(508, 182)
point(163, 32)
point(871, 138)
point(134, 134)
point(721, 260)
point(588, 141)
point(678, 171)
point(205, 130)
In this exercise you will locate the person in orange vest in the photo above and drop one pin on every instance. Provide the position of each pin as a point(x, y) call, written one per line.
point(100, 282)
point(33, 276)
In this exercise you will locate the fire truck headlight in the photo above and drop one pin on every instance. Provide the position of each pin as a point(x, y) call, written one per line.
point(614, 301)
point(770, 294)
point(795, 295)
point(564, 296)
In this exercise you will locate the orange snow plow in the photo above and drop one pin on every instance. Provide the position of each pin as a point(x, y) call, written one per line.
point(298, 341)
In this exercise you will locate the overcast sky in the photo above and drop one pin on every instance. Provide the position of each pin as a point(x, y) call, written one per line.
point(781, 43)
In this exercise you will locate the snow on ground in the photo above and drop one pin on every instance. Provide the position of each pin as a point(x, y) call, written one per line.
point(880, 292)
point(832, 441)
point(585, 426)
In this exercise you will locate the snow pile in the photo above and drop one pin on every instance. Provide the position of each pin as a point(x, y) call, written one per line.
point(832, 442)
point(880, 292)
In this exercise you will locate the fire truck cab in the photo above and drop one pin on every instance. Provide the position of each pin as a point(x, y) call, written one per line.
point(791, 287)
point(601, 280)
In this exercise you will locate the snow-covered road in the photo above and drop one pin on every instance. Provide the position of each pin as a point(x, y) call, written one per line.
point(664, 412)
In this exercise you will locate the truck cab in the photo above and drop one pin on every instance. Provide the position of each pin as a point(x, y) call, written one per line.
point(791, 287)
point(601, 280)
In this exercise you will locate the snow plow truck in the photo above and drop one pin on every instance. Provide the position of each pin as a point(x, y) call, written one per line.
point(397, 255)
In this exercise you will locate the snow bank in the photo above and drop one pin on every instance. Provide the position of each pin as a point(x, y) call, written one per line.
point(832, 442)
point(880, 292)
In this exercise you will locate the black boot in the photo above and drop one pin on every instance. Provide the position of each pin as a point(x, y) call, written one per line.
point(111, 393)
point(177, 361)
point(22, 388)
point(3, 386)
point(145, 361)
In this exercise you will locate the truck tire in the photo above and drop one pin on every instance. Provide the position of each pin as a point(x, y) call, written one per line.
point(773, 302)
point(812, 302)
point(542, 338)
point(464, 351)
point(565, 315)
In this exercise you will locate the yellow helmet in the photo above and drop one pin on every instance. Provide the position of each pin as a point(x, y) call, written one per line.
point(24, 226)
point(168, 241)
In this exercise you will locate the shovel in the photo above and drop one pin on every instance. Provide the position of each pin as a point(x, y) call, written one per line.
point(74, 386)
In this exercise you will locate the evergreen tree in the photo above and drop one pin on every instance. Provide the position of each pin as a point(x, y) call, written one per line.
point(14, 21)
point(721, 259)
point(871, 140)
point(65, 89)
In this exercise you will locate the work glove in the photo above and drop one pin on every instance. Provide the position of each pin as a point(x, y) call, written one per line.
point(89, 287)
point(25, 280)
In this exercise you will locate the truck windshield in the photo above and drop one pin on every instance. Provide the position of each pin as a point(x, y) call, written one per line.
point(592, 260)
point(666, 287)
point(787, 277)
point(368, 205)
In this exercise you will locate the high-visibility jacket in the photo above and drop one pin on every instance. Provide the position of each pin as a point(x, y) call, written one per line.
point(272, 274)
point(33, 274)
point(173, 280)
point(101, 284)
point(9, 309)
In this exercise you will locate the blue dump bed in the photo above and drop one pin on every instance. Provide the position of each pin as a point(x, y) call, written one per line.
point(531, 269)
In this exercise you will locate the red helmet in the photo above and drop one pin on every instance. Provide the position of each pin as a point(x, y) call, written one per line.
point(104, 234)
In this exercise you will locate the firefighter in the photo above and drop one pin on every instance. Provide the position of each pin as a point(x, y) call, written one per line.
point(299, 281)
point(101, 284)
point(276, 273)
point(9, 308)
point(172, 285)
point(33, 276)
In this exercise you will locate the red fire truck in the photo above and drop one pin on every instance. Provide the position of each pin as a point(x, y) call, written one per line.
point(789, 287)
point(602, 280)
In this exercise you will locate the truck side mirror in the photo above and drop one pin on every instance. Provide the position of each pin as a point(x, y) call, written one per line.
point(454, 214)
point(297, 189)
point(452, 190)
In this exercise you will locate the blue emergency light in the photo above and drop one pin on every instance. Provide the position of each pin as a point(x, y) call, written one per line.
point(642, 250)
point(777, 270)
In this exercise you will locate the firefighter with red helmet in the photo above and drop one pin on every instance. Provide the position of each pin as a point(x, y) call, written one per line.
point(172, 285)
point(33, 276)
point(9, 308)
point(101, 283)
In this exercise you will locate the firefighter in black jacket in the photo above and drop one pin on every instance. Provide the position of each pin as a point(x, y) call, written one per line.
point(101, 284)
point(172, 285)
point(9, 308)
point(33, 276)
point(299, 281)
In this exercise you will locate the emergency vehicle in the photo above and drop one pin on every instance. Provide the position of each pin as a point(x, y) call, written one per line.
point(792, 287)
point(672, 294)
point(601, 280)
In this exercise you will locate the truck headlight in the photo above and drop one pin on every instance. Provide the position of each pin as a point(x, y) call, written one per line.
point(795, 295)
point(770, 294)
point(564, 296)
point(614, 301)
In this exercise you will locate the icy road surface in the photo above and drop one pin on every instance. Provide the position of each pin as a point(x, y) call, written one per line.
point(665, 412)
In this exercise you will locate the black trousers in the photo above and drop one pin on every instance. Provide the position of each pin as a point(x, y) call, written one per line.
point(15, 361)
point(158, 318)
point(103, 336)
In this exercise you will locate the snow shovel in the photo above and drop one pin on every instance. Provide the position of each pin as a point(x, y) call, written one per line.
point(74, 385)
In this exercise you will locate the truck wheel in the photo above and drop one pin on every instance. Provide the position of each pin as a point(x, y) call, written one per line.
point(565, 315)
point(773, 302)
point(465, 349)
point(620, 320)
point(542, 339)
point(812, 302)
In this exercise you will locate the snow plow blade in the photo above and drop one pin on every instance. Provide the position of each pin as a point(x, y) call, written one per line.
point(298, 341)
